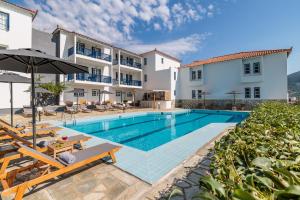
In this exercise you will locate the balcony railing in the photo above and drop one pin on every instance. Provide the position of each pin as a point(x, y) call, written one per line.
point(90, 53)
point(131, 82)
point(128, 63)
point(90, 77)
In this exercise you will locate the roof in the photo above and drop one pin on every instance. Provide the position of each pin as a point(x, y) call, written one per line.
point(163, 54)
point(240, 55)
point(32, 12)
point(59, 28)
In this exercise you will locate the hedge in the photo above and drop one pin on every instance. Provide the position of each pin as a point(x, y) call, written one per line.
point(260, 159)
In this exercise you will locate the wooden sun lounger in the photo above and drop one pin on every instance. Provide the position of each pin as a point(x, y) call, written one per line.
point(26, 133)
point(40, 125)
point(51, 168)
point(11, 147)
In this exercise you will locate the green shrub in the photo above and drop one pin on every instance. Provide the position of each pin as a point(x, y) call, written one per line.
point(258, 160)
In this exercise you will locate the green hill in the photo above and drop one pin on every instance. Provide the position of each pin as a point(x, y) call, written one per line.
point(294, 83)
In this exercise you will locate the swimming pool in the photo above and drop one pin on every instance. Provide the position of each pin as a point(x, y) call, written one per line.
point(150, 130)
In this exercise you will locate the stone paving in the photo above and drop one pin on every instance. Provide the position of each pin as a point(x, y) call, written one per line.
point(105, 181)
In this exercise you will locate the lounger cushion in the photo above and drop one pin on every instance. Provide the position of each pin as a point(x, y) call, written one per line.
point(91, 151)
point(67, 157)
point(42, 144)
point(8, 148)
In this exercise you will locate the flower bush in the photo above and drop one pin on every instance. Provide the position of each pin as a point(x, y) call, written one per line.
point(260, 159)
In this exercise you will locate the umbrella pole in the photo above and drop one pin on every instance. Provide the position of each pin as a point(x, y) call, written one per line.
point(33, 107)
point(11, 105)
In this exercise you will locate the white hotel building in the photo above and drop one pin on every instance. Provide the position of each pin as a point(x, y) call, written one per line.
point(255, 75)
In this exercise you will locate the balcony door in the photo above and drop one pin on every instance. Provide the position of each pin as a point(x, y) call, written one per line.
point(96, 74)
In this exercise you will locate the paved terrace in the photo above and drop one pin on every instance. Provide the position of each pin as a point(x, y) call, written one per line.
point(105, 181)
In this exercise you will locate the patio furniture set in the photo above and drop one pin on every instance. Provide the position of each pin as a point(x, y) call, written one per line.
point(49, 160)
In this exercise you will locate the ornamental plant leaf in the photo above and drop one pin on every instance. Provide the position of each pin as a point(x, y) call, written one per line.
point(240, 194)
point(292, 192)
point(262, 162)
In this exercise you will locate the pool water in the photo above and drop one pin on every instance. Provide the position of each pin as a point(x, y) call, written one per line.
point(148, 131)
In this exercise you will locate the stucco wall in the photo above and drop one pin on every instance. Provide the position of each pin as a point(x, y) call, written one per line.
point(18, 36)
point(221, 78)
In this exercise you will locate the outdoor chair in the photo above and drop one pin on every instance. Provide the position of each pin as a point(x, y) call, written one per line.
point(48, 168)
point(49, 111)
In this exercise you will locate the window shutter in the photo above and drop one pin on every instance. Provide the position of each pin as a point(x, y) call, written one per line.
point(7, 22)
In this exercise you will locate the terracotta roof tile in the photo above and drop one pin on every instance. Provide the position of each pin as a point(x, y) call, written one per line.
point(240, 55)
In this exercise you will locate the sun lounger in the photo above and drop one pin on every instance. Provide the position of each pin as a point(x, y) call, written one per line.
point(49, 111)
point(21, 126)
point(100, 108)
point(49, 168)
point(84, 109)
point(25, 132)
point(76, 139)
point(118, 106)
point(27, 112)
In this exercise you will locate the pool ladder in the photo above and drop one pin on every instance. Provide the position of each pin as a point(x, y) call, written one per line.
point(73, 118)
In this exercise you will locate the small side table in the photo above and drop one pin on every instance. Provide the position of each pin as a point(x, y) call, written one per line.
point(58, 147)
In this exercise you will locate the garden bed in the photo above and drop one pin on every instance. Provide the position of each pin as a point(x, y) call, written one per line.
point(260, 159)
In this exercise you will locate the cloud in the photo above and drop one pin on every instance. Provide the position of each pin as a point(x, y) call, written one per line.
point(115, 21)
point(177, 47)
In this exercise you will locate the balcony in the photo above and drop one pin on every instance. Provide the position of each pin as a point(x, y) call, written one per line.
point(131, 82)
point(90, 77)
point(128, 63)
point(90, 53)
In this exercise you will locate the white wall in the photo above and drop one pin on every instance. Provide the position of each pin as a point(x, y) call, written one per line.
point(160, 76)
point(220, 78)
point(18, 36)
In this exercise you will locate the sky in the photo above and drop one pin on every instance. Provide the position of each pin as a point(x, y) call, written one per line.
point(190, 29)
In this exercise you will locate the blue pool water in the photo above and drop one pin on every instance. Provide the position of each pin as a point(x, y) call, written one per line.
point(148, 131)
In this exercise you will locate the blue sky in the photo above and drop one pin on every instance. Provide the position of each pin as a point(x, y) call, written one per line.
point(190, 29)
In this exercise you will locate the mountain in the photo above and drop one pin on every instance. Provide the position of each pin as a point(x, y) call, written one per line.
point(294, 83)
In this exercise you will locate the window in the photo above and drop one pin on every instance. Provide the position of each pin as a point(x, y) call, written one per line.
point(129, 94)
point(257, 92)
point(96, 71)
point(247, 69)
point(95, 93)
point(193, 94)
point(174, 92)
point(79, 92)
point(118, 94)
point(80, 47)
point(256, 68)
point(4, 21)
point(199, 73)
point(162, 60)
point(199, 94)
point(145, 77)
point(117, 75)
point(247, 93)
point(193, 75)
point(175, 76)
point(145, 61)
